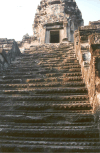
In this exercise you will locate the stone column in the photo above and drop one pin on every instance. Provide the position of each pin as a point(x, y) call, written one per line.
point(47, 36)
point(44, 34)
point(65, 24)
point(69, 31)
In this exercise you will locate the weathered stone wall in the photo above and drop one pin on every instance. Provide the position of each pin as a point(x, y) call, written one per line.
point(26, 43)
point(87, 47)
point(94, 42)
point(8, 52)
point(62, 15)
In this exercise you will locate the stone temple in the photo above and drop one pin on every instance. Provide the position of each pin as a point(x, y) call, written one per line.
point(50, 92)
point(56, 20)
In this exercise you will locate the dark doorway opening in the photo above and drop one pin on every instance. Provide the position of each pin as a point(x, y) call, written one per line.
point(54, 36)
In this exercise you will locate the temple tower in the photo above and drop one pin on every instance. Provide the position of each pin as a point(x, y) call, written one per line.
point(56, 20)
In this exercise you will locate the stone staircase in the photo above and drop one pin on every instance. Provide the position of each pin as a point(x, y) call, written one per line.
point(44, 105)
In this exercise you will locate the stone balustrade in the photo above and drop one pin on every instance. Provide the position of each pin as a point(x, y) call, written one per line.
point(94, 45)
point(88, 53)
point(8, 52)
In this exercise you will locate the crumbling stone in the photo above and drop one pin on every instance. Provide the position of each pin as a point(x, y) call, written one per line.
point(61, 15)
point(8, 52)
point(50, 95)
point(87, 47)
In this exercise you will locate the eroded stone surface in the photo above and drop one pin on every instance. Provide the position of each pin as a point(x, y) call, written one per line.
point(48, 101)
point(88, 37)
point(8, 52)
point(44, 104)
point(61, 15)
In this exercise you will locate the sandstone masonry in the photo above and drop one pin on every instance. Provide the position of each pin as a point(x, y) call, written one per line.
point(50, 94)
point(8, 52)
point(56, 20)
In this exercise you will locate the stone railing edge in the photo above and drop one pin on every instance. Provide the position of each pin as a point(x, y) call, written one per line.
point(90, 68)
point(6, 58)
point(87, 62)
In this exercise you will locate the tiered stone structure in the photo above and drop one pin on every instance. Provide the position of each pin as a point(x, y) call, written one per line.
point(56, 20)
point(44, 104)
point(50, 94)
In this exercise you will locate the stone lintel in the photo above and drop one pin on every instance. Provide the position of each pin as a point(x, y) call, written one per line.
point(53, 23)
point(54, 27)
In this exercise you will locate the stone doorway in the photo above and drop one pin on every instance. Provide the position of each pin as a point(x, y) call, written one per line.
point(54, 36)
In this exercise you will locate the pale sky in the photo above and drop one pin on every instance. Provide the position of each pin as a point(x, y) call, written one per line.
point(17, 16)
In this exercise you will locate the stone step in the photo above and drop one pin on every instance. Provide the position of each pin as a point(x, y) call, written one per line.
point(71, 113)
point(48, 55)
point(16, 73)
point(61, 67)
point(22, 63)
point(65, 124)
point(10, 81)
point(38, 85)
point(43, 117)
point(59, 90)
point(23, 66)
point(45, 64)
point(58, 73)
point(13, 86)
point(57, 62)
point(59, 58)
point(25, 71)
point(74, 70)
point(11, 125)
point(18, 91)
point(58, 84)
point(50, 133)
point(56, 79)
point(56, 59)
point(46, 107)
point(47, 79)
point(45, 102)
point(52, 59)
point(48, 73)
point(58, 69)
point(47, 112)
point(68, 64)
point(44, 89)
point(73, 143)
point(46, 148)
point(60, 104)
point(51, 139)
point(21, 69)
point(18, 76)
point(46, 98)
point(32, 93)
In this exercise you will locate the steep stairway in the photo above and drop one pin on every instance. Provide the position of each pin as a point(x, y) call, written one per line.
point(44, 104)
